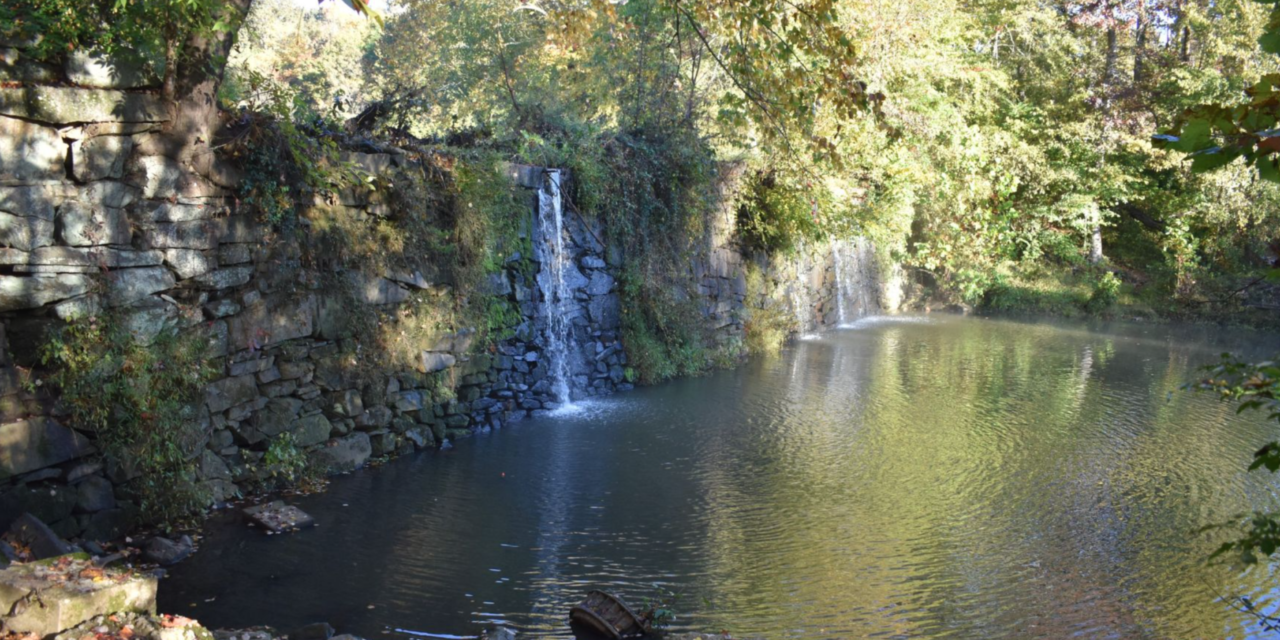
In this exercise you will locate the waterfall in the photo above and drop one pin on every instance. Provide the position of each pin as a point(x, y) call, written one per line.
point(556, 293)
point(836, 256)
point(857, 280)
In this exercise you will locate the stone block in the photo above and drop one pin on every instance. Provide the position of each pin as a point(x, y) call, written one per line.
point(189, 263)
point(600, 284)
point(179, 212)
point(127, 286)
point(225, 278)
point(88, 68)
point(278, 416)
point(25, 233)
point(312, 430)
point(37, 443)
point(32, 201)
point(196, 234)
point(346, 453)
point(229, 392)
point(234, 254)
point(374, 290)
point(30, 152)
point(57, 594)
point(17, 66)
point(70, 105)
point(100, 157)
point(278, 517)
point(272, 322)
point(97, 257)
point(433, 361)
point(95, 494)
point(83, 224)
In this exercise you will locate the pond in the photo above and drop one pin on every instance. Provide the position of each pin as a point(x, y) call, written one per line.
point(903, 477)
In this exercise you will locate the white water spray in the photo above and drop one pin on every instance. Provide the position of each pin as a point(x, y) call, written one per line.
point(857, 282)
point(556, 295)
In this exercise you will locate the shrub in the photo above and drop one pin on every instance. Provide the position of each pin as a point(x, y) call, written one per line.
point(1106, 292)
point(140, 399)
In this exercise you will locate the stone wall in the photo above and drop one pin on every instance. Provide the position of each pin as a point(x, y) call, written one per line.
point(94, 215)
point(98, 213)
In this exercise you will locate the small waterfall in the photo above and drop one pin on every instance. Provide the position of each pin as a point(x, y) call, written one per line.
point(857, 281)
point(556, 293)
point(837, 256)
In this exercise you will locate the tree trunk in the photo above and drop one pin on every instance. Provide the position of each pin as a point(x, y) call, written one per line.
point(1108, 77)
point(1140, 46)
point(191, 87)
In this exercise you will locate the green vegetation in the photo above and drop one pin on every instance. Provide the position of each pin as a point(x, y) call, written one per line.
point(141, 399)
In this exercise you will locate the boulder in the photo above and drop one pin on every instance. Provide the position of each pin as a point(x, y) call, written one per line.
point(47, 503)
point(111, 524)
point(600, 284)
point(17, 66)
point(374, 290)
point(37, 443)
point(195, 234)
point(165, 552)
point(39, 538)
point(34, 201)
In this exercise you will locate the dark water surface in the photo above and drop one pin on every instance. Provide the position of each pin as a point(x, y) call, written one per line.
point(958, 478)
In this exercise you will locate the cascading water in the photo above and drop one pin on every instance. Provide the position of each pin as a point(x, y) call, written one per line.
point(837, 256)
point(556, 293)
point(857, 282)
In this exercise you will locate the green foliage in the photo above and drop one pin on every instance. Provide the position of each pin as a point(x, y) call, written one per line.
point(774, 215)
point(1256, 387)
point(140, 400)
point(767, 325)
point(284, 168)
point(150, 32)
point(1106, 291)
point(288, 466)
point(661, 331)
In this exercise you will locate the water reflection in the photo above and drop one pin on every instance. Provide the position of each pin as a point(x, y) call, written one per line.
point(957, 478)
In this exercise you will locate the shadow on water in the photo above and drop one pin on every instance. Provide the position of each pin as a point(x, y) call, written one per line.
point(944, 477)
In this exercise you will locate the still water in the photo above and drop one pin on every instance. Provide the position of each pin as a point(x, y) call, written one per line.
point(913, 477)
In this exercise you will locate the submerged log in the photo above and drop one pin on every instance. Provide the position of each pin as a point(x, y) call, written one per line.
point(609, 615)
